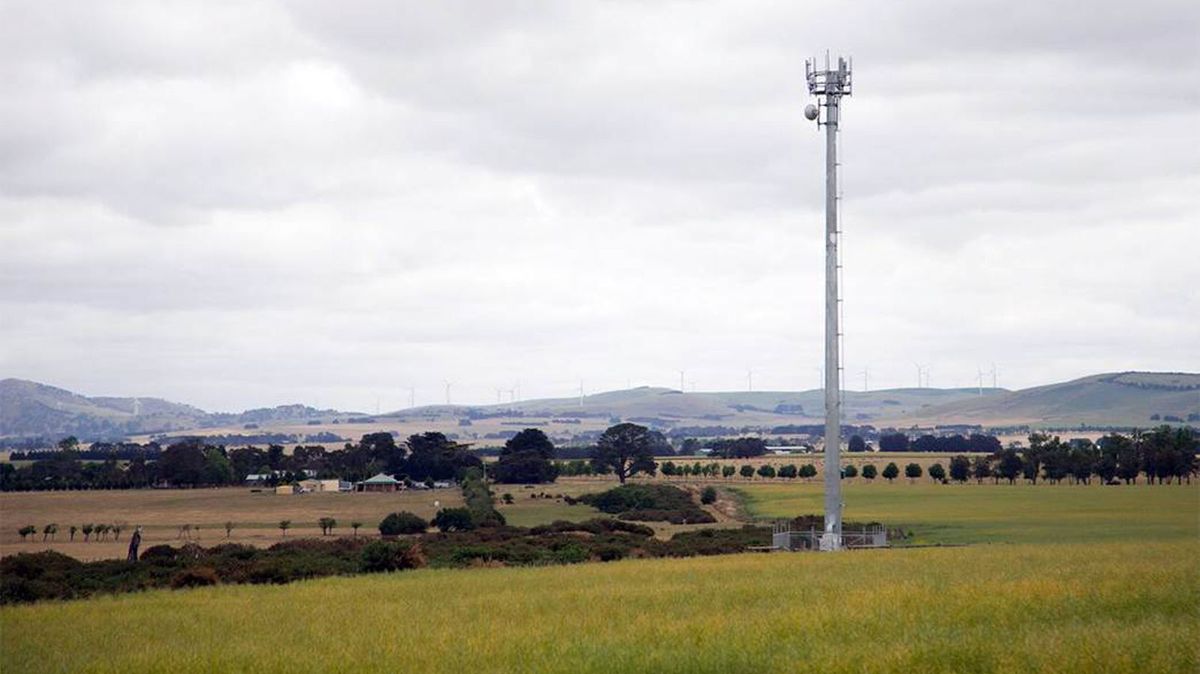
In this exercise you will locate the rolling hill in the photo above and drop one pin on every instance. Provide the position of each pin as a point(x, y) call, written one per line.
point(1116, 399)
point(28, 408)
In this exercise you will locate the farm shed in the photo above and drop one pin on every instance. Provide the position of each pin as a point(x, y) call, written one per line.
point(314, 485)
point(380, 482)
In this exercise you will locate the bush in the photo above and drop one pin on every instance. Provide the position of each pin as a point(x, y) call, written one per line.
point(196, 576)
point(378, 556)
point(708, 496)
point(402, 522)
point(159, 554)
point(454, 519)
point(649, 502)
point(595, 526)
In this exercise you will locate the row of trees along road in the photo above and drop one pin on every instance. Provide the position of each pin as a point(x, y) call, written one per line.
point(624, 450)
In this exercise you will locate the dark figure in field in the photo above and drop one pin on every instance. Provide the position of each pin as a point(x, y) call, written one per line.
point(134, 541)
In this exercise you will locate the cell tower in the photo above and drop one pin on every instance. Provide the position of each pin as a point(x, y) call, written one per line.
point(829, 85)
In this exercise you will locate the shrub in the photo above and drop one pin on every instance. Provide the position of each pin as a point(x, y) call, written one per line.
point(649, 502)
point(196, 576)
point(402, 522)
point(708, 496)
point(595, 526)
point(159, 554)
point(380, 556)
point(453, 519)
point(869, 472)
point(849, 471)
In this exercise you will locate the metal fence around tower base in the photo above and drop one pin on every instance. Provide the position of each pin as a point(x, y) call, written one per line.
point(784, 537)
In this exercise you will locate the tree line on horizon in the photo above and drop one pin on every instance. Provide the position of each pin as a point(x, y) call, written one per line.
point(623, 450)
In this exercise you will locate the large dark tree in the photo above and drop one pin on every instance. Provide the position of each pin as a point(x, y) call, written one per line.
point(182, 463)
point(383, 451)
point(626, 450)
point(739, 448)
point(527, 458)
point(893, 442)
point(435, 457)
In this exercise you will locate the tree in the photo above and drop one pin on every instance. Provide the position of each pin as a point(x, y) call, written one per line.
point(327, 524)
point(26, 530)
point(49, 530)
point(807, 471)
point(981, 468)
point(869, 472)
point(355, 526)
point(624, 449)
point(849, 471)
point(708, 496)
point(789, 471)
point(746, 471)
point(73, 530)
point(217, 468)
point(402, 522)
point(740, 448)
point(284, 525)
point(1009, 465)
point(890, 472)
point(182, 463)
point(937, 472)
point(228, 529)
point(960, 468)
point(727, 471)
point(893, 442)
point(857, 444)
point(87, 530)
point(453, 519)
point(527, 458)
point(433, 456)
point(766, 470)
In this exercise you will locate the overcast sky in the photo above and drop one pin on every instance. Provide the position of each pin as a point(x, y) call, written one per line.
point(246, 204)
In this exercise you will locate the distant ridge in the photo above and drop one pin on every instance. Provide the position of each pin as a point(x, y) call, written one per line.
point(1128, 399)
point(1116, 399)
point(28, 408)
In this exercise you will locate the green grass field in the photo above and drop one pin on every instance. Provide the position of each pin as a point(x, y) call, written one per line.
point(990, 513)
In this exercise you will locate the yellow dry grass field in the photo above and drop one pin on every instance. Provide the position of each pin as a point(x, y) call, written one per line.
point(1111, 607)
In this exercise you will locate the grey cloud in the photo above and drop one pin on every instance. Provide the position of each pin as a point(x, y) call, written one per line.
point(245, 204)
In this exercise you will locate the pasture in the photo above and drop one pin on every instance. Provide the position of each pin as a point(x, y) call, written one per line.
point(991, 513)
point(161, 512)
point(1106, 607)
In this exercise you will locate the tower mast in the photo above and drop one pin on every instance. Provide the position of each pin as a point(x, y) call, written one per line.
point(829, 85)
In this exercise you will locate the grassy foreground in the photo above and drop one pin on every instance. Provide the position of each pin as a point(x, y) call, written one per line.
point(1070, 608)
point(991, 513)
